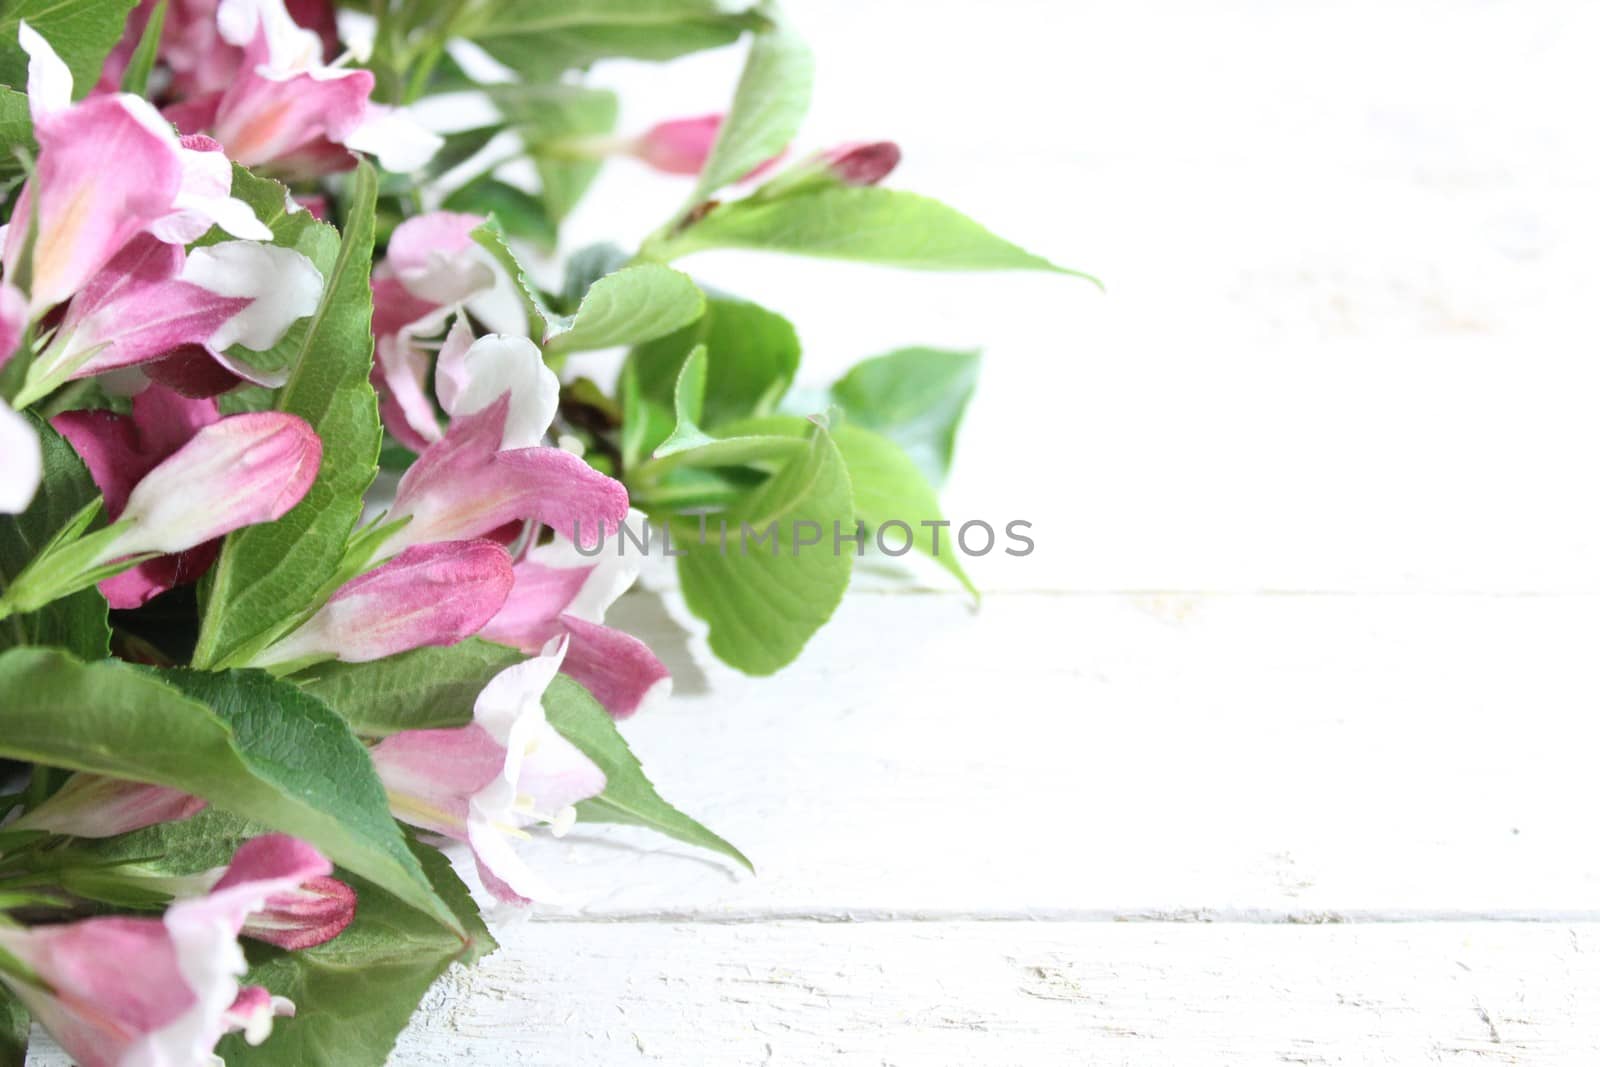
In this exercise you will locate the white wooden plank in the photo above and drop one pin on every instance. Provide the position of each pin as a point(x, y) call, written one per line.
point(1127, 756)
point(933, 994)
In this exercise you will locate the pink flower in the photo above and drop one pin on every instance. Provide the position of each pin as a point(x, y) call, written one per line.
point(286, 110)
point(306, 916)
point(152, 301)
point(433, 268)
point(861, 162)
point(108, 168)
point(682, 146)
point(119, 992)
point(243, 470)
point(428, 595)
point(119, 450)
point(90, 805)
point(464, 486)
point(482, 783)
point(560, 592)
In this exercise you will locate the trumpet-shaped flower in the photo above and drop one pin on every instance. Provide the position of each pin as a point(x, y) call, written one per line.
point(92, 805)
point(464, 486)
point(287, 110)
point(428, 595)
point(121, 449)
point(152, 301)
point(484, 782)
point(240, 471)
point(561, 592)
point(108, 168)
point(682, 146)
point(118, 992)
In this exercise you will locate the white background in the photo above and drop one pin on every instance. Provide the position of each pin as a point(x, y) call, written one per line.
point(1280, 749)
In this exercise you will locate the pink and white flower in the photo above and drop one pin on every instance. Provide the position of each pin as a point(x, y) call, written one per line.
point(92, 805)
point(560, 592)
point(242, 470)
point(428, 595)
point(432, 270)
point(485, 782)
point(119, 450)
point(287, 110)
point(19, 477)
point(118, 992)
point(464, 486)
point(152, 301)
point(108, 168)
point(682, 146)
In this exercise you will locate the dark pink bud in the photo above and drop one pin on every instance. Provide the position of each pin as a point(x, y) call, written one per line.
point(311, 915)
point(862, 162)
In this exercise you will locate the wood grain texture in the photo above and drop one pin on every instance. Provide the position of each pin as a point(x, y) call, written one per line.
point(1019, 993)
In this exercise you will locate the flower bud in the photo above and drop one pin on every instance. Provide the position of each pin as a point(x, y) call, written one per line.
point(862, 162)
point(304, 917)
point(90, 805)
point(240, 471)
point(435, 594)
point(682, 146)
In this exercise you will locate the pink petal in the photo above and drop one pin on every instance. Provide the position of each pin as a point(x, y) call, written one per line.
point(618, 669)
point(263, 119)
point(436, 258)
point(428, 595)
point(107, 168)
point(566, 494)
point(94, 806)
point(431, 774)
point(311, 915)
point(679, 146)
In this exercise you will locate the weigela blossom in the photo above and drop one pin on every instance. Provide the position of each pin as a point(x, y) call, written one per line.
point(119, 450)
point(152, 301)
point(485, 782)
point(120, 992)
point(429, 595)
point(92, 805)
point(285, 110)
point(108, 168)
point(561, 592)
point(682, 146)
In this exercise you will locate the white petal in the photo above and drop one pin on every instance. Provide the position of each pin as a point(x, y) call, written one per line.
point(510, 705)
point(282, 285)
point(19, 462)
point(49, 80)
point(498, 364)
point(290, 46)
point(613, 572)
point(203, 201)
point(399, 142)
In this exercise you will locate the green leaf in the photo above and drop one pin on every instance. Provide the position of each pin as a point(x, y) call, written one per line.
point(269, 575)
point(585, 267)
point(82, 32)
point(771, 100)
point(16, 132)
point(688, 400)
point(14, 1026)
point(491, 237)
point(136, 78)
point(355, 994)
point(246, 742)
point(629, 797)
point(425, 689)
point(521, 214)
point(762, 605)
point(752, 356)
point(886, 486)
point(916, 398)
point(631, 306)
point(77, 623)
point(870, 224)
point(542, 38)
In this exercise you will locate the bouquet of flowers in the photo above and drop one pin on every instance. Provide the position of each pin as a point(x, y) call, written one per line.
point(307, 530)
